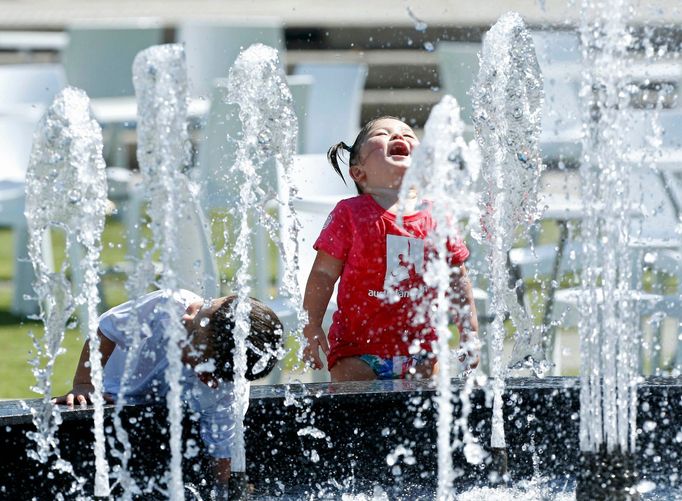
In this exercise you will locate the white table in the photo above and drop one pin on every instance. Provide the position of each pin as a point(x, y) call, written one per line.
point(123, 110)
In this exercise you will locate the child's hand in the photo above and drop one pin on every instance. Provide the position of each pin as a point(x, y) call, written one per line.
point(470, 351)
point(316, 340)
point(81, 394)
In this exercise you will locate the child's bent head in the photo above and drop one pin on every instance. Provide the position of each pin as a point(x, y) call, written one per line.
point(357, 155)
point(212, 340)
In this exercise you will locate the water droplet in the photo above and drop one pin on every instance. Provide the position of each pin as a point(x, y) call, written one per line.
point(204, 322)
point(428, 47)
point(419, 25)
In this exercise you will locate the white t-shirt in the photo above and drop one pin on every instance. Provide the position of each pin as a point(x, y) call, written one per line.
point(147, 380)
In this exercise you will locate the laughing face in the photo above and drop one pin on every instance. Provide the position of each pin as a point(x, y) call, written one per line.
point(385, 156)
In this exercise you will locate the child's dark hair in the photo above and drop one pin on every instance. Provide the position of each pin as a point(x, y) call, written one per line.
point(264, 340)
point(354, 151)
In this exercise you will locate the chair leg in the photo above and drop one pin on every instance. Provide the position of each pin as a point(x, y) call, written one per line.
point(24, 275)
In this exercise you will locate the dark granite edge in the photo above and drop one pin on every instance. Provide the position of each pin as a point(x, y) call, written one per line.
point(13, 412)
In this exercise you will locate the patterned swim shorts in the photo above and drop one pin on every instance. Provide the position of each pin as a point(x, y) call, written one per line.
point(397, 367)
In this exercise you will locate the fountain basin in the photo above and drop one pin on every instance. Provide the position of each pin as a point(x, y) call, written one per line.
point(349, 437)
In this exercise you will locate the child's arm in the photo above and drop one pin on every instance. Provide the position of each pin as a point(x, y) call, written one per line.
point(323, 275)
point(466, 316)
point(82, 383)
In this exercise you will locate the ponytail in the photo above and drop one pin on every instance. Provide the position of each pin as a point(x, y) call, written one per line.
point(333, 157)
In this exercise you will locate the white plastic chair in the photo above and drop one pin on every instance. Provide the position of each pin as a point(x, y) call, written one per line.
point(215, 152)
point(16, 137)
point(559, 56)
point(196, 268)
point(319, 190)
point(457, 70)
point(653, 234)
point(212, 47)
point(301, 87)
point(98, 59)
point(99, 56)
point(335, 103)
point(27, 88)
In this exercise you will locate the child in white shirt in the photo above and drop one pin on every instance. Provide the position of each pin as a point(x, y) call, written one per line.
point(206, 354)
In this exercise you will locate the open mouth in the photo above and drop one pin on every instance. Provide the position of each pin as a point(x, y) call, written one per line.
point(399, 148)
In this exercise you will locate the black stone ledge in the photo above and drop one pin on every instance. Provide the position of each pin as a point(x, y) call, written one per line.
point(302, 438)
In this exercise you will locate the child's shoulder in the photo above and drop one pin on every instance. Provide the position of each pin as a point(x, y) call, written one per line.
point(358, 201)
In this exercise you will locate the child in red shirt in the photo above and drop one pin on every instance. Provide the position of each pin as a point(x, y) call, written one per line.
point(377, 331)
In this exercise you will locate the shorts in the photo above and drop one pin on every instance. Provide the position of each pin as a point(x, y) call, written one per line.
point(397, 367)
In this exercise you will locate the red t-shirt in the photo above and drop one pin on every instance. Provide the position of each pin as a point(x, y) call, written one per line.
point(379, 256)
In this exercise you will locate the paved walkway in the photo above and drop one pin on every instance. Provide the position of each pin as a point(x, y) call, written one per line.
point(55, 14)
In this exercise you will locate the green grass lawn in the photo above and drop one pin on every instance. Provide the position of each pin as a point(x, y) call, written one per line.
point(16, 345)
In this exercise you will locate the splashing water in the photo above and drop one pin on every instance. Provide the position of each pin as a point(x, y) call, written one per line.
point(608, 373)
point(160, 79)
point(257, 84)
point(66, 189)
point(507, 100)
point(419, 25)
point(438, 174)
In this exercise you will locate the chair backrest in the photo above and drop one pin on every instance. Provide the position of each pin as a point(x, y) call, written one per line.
point(212, 47)
point(99, 57)
point(556, 47)
point(216, 152)
point(22, 84)
point(335, 103)
point(671, 124)
point(558, 54)
point(319, 190)
point(197, 268)
point(16, 139)
point(301, 87)
point(658, 219)
point(457, 70)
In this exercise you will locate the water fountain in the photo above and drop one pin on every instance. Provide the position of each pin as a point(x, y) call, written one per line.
point(66, 190)
point(507, 100)
point(358, 431)
point(609, 366)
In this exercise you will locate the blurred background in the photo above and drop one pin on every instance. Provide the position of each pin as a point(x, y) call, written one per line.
point(346, 62)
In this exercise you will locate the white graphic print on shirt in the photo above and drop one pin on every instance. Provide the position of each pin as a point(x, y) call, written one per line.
point(402, 254)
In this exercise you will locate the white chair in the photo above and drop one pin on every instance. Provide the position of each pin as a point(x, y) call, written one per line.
point(319, 190)
point(99, 56)
point(16, 137)
point(196, 267)
point(28, 88)
point(215, 152)
point(457, 70)
point(652, 233)
point(300, 87)
point(212, 47)
point(98, 59)
point(335, 103)
point(26, 91)
point(559, 57)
